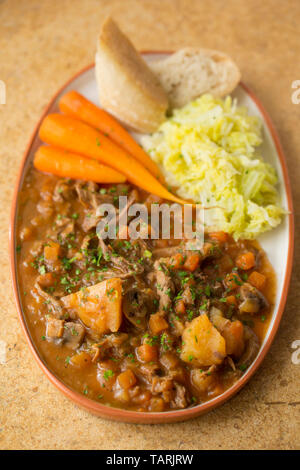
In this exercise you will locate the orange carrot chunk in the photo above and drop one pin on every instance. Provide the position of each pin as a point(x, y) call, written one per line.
point(220, 237)
point(70, 165)
point(257, 280)
point(147, 353)
point(234, 337)
point(157, 323)
point(51, 251)
point(233, 281)
point(73, 135)
point(180, 307)
point(192, 262)
point(176, 261)
point(231, 300)
point(75, 105)
point(246, 261)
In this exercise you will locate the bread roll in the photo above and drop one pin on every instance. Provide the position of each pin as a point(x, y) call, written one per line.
point(189, 73)
point(127, 87)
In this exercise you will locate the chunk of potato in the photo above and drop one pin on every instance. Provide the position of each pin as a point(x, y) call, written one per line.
point(202, 380)
point(81, 359)
point(202, 344)
point(234, 337)
point(127, 379)
point(55, 327)
point(98, 306)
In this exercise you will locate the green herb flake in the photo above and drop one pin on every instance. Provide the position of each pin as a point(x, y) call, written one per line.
point(108, 374)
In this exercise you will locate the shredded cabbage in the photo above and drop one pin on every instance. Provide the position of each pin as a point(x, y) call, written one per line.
point(208, 150)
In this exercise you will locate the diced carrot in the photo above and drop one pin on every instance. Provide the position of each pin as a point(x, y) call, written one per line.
point(245, 261)
point(46, 280)
point(231, 299)
point(147, 353)
point(157, 323)
point(176, 261)
point(234, 337)
point(81, 359)
point(233, 281)
point(257, 280)
point(51, 251)
point(220, 237)
point(180, 307)
point(192, 262)
point(127, 379)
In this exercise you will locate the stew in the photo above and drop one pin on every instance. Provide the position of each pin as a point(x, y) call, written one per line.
point(146, 325)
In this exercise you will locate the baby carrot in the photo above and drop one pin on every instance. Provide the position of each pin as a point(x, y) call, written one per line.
point(75, 105)
point(69, 165)
point(71, 134)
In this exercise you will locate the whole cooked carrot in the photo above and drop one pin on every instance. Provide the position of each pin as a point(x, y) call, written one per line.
point(75, 105)
point(73, 135)
point(69, 165)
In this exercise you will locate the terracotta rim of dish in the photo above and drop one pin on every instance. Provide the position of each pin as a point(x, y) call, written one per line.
point(119, 414)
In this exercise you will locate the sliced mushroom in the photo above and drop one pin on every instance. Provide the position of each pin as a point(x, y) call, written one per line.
point(164, 285)
point(54, 305)
point(137, 303)
point(166, 252)
point(253, 301)
point(187, 296)
point(73, 334)
point(126, 267)
point(63, 191)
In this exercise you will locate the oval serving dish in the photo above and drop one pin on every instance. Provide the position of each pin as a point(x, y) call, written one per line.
point(278, 245)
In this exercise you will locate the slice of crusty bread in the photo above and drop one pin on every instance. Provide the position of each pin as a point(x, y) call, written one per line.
point(188, 73)
point(127, 87)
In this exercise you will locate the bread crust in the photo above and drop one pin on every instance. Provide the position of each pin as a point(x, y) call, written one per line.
point(127, 87)
point(191, 72)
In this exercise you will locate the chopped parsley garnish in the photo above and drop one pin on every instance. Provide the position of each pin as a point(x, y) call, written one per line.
point(107, 374)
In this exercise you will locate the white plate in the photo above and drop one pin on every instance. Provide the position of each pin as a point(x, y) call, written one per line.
point(277, 243)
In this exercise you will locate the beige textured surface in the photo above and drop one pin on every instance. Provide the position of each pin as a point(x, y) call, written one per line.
point(42, 43)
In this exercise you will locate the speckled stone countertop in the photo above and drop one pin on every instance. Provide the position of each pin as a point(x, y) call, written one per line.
point(42, 44)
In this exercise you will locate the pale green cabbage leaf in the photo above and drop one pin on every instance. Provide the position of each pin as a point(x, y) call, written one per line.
point(208, 150)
